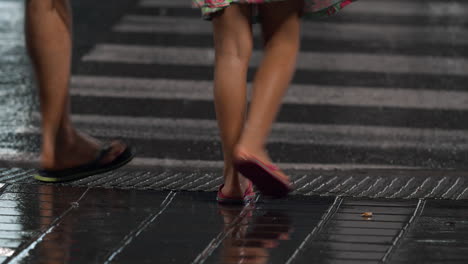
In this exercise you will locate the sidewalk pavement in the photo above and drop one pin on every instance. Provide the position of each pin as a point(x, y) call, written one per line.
point(58, 224)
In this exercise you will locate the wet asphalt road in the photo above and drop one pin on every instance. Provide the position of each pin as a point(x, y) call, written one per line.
point(374, 88)
point(377, 109)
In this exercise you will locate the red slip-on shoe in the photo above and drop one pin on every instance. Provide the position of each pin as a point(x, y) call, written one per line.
point(264, 176)
point(249, 196)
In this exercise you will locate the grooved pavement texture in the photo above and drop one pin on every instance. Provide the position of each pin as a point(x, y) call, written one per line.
point(405, 184)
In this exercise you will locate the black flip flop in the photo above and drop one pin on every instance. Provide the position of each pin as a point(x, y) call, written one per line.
point(91, 168)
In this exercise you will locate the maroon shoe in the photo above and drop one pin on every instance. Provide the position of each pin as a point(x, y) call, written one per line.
point(249, 196)
point(264, 176)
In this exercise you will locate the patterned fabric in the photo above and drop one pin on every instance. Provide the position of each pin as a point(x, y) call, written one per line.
point(312, 8)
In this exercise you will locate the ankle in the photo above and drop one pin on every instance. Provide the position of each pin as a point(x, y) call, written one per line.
point(47, 159)
point(243, 150)
point(66, 136)
point(233, 180)
point(251, 139)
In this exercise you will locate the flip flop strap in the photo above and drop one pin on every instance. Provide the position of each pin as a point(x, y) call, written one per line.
point(102, 153)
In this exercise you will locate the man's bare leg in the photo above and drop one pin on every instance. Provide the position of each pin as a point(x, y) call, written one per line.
point(48, 30)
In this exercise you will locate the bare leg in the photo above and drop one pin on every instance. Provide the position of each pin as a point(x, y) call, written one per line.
point(233, 45)
point(49, 41)
point(281, 30)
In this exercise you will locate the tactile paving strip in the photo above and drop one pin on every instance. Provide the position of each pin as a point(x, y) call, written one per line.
point(370, 183)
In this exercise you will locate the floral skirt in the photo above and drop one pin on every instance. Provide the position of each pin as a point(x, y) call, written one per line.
point(312, 8)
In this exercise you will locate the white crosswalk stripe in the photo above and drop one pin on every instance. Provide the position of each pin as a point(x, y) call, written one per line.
point(395, 34)
point(16, 158)
point(329, 135)
point(306, 61)
point(126, 87)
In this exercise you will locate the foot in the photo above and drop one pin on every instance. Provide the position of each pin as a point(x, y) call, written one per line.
point(235, 188)
point(78, 149)
point(261, 155)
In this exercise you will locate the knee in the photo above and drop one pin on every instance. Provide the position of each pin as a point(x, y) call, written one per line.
point(245, 52)
point(239, 50)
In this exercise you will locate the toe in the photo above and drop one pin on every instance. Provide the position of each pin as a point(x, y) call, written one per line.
point(116, 148)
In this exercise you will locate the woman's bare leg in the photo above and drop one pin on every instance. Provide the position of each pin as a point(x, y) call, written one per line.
point(233, 45)
point(281, 31)
point(49, 40)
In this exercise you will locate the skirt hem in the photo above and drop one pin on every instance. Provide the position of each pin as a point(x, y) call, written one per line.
point(209, 10)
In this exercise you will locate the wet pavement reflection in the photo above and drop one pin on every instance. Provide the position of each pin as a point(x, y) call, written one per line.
point(255, 236)
point(57, 224)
